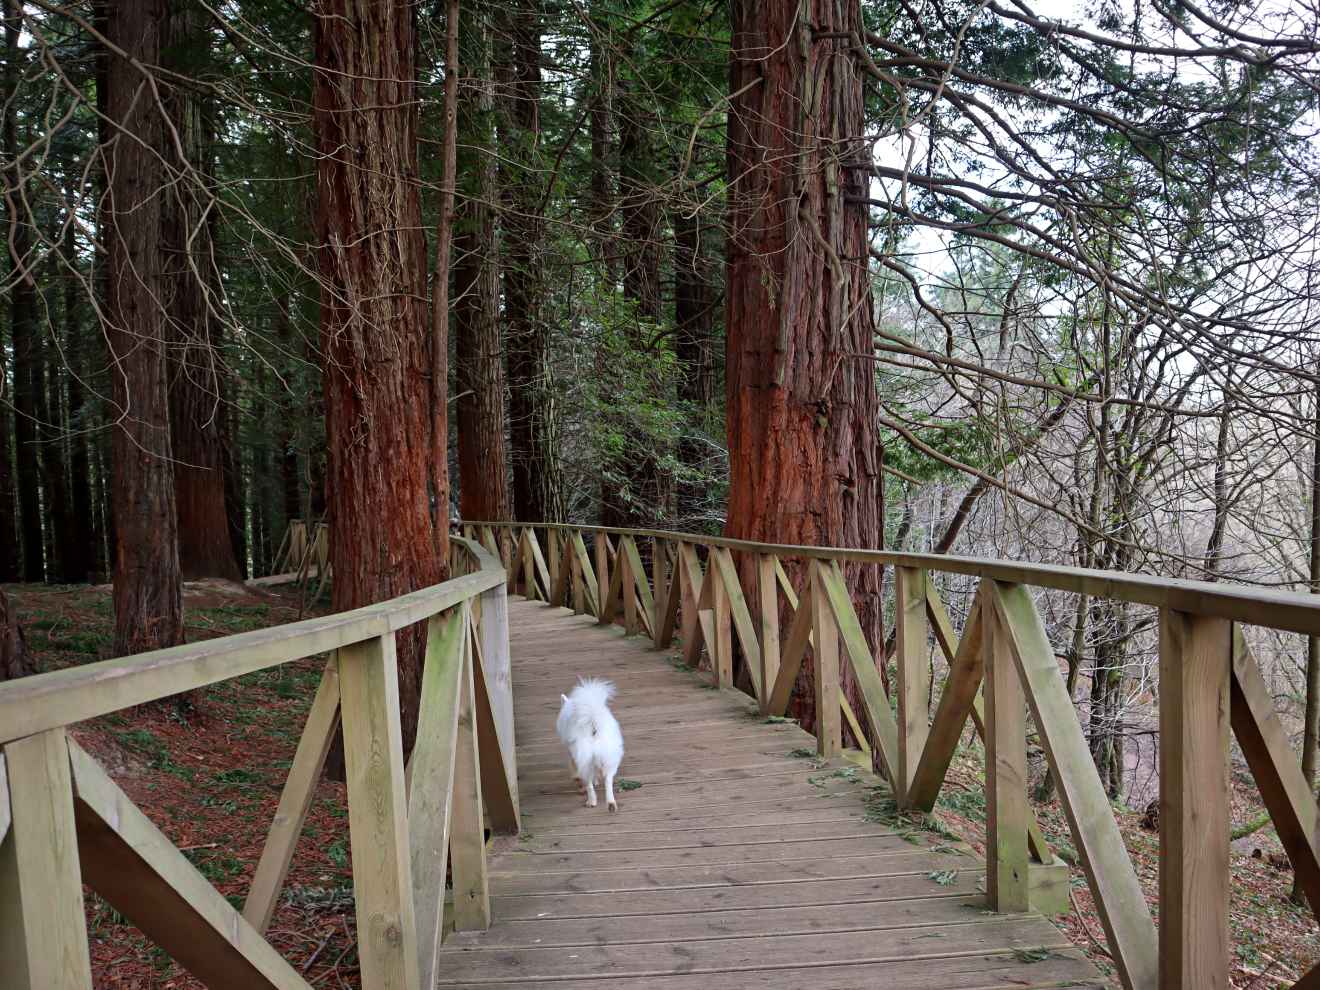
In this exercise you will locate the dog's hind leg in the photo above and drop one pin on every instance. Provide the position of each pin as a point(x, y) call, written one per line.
point(591, 788)
point(610, 803)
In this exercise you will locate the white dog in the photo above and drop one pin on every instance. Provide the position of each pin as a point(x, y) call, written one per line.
point(593, 737)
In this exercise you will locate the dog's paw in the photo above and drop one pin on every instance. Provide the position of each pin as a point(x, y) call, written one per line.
point(613, 806)
point(591, 802)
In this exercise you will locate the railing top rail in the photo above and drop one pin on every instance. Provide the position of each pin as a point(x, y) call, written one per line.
point(63, 697)
point(1287, 610)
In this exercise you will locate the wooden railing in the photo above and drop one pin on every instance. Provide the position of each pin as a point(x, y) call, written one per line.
point(64, 822)
point(1001, 667)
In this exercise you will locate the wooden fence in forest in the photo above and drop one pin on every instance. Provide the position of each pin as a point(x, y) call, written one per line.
point(64, 822)
point(1001, 666)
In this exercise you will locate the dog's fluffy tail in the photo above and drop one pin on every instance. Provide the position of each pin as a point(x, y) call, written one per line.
point(593, 693)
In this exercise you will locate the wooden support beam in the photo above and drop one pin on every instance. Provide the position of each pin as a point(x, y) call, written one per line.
point(495, 721)
point(850, 717)
point(790, 663)
point(1310, 980)
point(539, 568)
point(1195, 815)
point(722, 560)
point(722, 654)
point(579, 584)
point(664, 634)
point(626, 579)
point(639, 583)
point(1007, 881)
point(769, 608)
point(562, 572)
point(295, 800)
point(43, 928)
point(603, 602)
point(1118, 896)
point(829, 741)
point(592, 588)
point(127, 860)
point(613, 590)
point(377, 815)
point(960, 698)
point(913, 672)
point(660, 579)
point(689, 590)
point(468, 837)
point(880, 717)
point(1276, 770)
point(554, 588)
point(966, 668)
point(430, 807)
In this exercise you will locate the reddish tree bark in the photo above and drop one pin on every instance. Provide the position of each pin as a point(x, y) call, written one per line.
point(148, 596)
point(15, 658)
point(801, 409)
point(374, 328)
point(483, 463)
point(205, 548)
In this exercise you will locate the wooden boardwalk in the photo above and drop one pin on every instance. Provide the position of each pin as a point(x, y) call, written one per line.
point(736, 864)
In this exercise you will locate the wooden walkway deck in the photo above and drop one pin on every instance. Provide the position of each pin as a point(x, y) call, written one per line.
point(736, 864)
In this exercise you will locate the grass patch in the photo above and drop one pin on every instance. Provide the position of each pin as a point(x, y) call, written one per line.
point(628, 785)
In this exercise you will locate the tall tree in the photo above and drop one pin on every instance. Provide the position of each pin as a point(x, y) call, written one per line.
point(23, 315)
point(148, 594)
point(801, 406)
point(478, 352)
point(196, 373)
point(534, 434)
point(374, 327)
point(78, 546)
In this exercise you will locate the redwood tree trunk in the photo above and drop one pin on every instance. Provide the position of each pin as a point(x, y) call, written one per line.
point(374, 328)
point(533, 419)
point(801, 407)
point(205, 548)
point(483, 465)
point(148, 595)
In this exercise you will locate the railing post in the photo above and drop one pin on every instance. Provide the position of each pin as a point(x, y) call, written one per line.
point(1196, 656)
point(579, 583)
point(829, 721)
point(43, 930)
point(377, 814)
point(553, 562)
point(629, 593)
point(468, 837)
point(722, 655)
point(602, 574)
point(1007, 879)
point(497, 673)
point(660, 578)
point(913, 672)
point(768, 582)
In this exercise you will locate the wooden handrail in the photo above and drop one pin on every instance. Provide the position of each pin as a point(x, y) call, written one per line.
point(1285, 610)
point(1207, 673)
point(62, 697)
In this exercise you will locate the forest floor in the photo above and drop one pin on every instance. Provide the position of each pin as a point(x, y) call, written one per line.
point(211, 780)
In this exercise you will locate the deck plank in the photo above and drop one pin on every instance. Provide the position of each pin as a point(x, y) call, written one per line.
point(739, 863)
